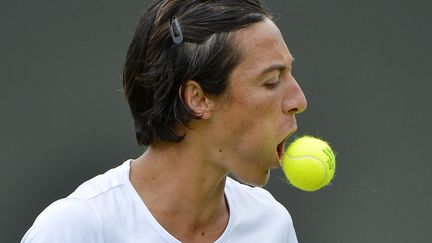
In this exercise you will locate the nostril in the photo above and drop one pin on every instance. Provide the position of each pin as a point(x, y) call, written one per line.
point(294, 110)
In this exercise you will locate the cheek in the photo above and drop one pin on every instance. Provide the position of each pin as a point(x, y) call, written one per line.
point(254, 104)
point(253, 135)
point(252, 117)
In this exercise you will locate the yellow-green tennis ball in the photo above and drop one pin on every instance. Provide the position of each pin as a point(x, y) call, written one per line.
point(309, 163)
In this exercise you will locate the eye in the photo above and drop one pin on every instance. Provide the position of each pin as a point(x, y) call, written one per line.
point(272, 83)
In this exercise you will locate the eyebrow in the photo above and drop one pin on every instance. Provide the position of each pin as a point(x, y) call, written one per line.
point(279, 67)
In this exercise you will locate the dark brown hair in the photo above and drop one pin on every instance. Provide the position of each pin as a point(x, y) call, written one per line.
point(156, 66)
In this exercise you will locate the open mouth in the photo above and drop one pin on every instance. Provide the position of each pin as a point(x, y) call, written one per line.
point(280, 149)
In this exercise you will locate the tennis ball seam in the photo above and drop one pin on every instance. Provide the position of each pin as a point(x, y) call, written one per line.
point(323, 164)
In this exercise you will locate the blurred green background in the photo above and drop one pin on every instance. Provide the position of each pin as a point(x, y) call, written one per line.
point(363, 65)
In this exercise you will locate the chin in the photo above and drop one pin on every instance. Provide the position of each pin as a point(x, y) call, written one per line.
point(255, 180)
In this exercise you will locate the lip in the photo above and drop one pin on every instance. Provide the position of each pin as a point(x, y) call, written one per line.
point(280, 148)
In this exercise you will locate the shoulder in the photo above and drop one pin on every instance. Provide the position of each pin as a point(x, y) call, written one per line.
point(102, 184)
point(66, 220)
point(77, 218)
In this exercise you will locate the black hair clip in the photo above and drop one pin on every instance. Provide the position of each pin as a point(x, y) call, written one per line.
point(176, 35)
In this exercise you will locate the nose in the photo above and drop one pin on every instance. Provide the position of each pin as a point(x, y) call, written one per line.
point(295, 101)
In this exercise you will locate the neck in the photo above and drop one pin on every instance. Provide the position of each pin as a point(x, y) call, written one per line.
point(183, 191)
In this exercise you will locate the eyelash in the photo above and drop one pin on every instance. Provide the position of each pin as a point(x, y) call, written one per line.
point(272, 84)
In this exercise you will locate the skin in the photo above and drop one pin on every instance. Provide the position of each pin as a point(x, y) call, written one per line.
point(183, 183)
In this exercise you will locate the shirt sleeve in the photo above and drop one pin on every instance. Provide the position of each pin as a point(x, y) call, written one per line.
point(66, 221)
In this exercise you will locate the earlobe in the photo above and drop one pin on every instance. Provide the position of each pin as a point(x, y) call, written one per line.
point(196, 100)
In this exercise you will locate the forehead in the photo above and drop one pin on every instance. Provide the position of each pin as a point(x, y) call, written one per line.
point(261, 46)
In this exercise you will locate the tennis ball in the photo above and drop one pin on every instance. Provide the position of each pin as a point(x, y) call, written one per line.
point(309, 163)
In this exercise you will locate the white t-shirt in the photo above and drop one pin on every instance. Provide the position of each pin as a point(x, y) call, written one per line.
point(108, 209)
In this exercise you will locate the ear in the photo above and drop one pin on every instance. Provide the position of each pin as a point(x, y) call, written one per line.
point(196, 100)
